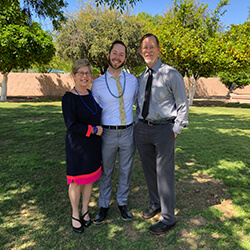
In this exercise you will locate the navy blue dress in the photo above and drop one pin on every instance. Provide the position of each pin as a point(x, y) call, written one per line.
point(83, 149)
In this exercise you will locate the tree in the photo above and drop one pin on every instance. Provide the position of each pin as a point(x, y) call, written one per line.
point(122, 4)
point(22, 43)
point(149, 21)
point(90, 32)
point(235, 80)
point(53, 9)
point(190, 40)
point(236, 49)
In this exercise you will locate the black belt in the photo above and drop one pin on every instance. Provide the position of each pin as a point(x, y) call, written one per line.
point(160, 122)
point(117, 127)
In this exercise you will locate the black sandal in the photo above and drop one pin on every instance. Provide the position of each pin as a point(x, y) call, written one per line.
point(86, 223)
point(78, 229)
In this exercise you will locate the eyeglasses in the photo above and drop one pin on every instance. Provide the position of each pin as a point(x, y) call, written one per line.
point(81, 73)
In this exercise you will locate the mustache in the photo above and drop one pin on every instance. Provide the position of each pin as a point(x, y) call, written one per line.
point(148, 54)
point(120, 66)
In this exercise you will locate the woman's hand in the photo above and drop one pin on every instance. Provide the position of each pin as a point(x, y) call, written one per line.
point(99, 130)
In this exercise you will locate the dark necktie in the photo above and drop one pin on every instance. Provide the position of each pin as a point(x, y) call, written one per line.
point(147, 95)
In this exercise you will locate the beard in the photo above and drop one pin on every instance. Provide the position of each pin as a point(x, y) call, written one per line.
point(150, 61)
point(115, 67)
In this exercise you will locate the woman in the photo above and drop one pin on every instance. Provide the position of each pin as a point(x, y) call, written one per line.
point(82, 116)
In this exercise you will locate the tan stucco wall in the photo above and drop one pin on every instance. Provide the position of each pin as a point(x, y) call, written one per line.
point(51, 84)
point(206, 87)
point(36, 84)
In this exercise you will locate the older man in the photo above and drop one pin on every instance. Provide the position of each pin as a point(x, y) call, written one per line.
point(162, 114)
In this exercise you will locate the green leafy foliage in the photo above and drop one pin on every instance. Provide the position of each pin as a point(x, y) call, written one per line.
point(20, 46)
point(52, 9)
point(149, 21)
point(189, 38)
point(235, 51)
point(22, 42)
point(90, 32)
point(235, 47)
point(235, 80)
point(119, 4)
point(192, 41)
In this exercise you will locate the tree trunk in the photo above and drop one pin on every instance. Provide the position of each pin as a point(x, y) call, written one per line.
point(4, 87)
point(191, 90)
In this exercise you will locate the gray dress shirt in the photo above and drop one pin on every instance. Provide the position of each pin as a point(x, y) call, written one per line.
point(168, 98)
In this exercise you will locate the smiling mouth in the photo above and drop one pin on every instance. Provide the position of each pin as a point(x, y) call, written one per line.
point(117, 62)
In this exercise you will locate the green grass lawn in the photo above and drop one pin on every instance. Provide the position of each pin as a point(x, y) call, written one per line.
point(212, 185)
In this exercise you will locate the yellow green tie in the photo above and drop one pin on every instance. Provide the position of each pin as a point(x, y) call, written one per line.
point(121, 102)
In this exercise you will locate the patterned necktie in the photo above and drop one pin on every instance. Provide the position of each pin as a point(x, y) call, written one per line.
point(121, 101)
point(147, 95)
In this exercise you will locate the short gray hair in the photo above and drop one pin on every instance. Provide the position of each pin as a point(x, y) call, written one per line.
point(81, 63)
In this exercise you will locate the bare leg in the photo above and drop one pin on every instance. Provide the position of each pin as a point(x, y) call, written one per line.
point(86, 194)
point(74, 196)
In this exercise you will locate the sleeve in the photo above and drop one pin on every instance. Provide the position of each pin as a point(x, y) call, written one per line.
point(95, 92)
point(136, 92)
point(181, 102)
point(137, 111)
point(70, 118)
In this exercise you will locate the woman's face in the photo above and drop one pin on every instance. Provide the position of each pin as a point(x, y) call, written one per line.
point(82, 77)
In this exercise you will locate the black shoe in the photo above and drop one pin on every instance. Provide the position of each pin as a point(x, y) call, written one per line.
point(150, 212)
point(160, 228)
point(86, 223)
point(125, 213)
point(78, 229)
point(101, 216)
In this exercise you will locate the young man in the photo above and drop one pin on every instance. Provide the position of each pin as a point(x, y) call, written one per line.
point(162, 112)
point(115, 92)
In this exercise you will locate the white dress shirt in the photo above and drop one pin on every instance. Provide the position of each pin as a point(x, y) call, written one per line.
point(102, 91)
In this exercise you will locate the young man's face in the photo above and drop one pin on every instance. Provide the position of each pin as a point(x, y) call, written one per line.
point(117, 57)
point(149, 51)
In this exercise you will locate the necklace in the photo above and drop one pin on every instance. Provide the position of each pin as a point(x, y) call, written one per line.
point(94, 113)
point(106, 80)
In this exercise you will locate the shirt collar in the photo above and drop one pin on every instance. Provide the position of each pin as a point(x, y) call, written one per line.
point(109, 75)
point(156, 66)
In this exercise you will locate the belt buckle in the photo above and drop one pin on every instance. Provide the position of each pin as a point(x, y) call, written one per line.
point(150, 123)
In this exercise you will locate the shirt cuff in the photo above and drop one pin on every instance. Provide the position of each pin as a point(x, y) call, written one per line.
point(177, 129)
point(89, 131)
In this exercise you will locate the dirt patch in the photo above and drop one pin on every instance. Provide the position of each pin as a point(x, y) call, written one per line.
point(195, 194)
point(199, 192)
point(227, 208)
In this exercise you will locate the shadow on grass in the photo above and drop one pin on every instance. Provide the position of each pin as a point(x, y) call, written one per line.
point(35, 210)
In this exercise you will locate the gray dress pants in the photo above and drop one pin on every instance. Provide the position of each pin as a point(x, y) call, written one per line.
point(156, 145)
point(115, 142)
